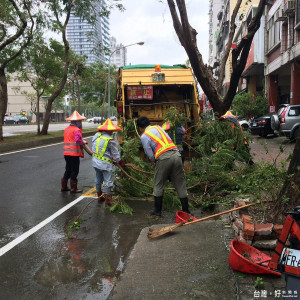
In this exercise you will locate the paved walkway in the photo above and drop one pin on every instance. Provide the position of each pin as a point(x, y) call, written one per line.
point(189, 263)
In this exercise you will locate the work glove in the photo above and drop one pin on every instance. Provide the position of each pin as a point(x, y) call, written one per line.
point(121, 163)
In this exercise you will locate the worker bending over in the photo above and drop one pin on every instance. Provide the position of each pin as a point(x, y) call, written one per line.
point(160, 149)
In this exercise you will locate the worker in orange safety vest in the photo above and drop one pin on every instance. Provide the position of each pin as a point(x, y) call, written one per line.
point(73, 150)
point(160, 149)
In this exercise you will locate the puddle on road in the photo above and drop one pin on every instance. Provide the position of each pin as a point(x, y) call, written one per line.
point(95, 257)
point(85, 267)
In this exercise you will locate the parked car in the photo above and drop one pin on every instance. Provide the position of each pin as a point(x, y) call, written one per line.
point(287, 120)
point(21, 119)
point(244, 124)
point(113, 118)
point(9, 120)
point(98, 120)
point(262, 125)
point(90, 120)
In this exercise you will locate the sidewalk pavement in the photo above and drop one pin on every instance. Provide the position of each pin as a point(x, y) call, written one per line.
point(189, 263)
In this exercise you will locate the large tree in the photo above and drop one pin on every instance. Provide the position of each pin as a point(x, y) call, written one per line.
point(62, 9)
point(17, 22)
point(42, 68)
point(290, 194)
point(188, 38)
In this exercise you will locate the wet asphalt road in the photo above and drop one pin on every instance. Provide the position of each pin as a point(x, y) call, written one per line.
point(47, 264)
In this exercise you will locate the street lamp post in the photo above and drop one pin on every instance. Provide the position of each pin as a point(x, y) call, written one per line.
point(140, 43)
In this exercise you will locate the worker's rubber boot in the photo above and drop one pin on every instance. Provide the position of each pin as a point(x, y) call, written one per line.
point(101, 197)
point(74, 188)
point(157, 206)
point(108, 201)
point(185, 205)
point(64, 185)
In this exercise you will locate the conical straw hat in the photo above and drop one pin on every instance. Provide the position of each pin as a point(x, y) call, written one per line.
point(108, 125)
point(75, 117)
point(166, 126)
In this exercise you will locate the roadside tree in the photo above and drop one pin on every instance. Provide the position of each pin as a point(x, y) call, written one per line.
point(61, 10)
point(43, 69)
point(247, 105)
point(187, 35)
point(18, 20)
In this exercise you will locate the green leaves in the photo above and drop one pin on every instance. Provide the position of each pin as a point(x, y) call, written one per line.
point(247, 105)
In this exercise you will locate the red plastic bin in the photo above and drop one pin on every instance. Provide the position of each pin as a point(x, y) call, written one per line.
point(182, 216)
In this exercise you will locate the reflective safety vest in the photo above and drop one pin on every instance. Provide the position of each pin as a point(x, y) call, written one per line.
point(163, 144)
point(71, 148)
point(100, 156)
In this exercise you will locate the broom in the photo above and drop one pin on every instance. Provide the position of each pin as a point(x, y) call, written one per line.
point(154, 233)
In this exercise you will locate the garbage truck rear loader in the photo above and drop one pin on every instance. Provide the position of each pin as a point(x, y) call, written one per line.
point(150, 90)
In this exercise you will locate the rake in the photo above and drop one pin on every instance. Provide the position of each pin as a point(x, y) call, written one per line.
point(154, 233)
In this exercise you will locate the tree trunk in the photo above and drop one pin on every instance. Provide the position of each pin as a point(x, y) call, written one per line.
point(38, 116)
point(3, 100)
point(289, 196)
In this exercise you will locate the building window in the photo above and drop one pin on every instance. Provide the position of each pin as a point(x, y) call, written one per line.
point(273, 33)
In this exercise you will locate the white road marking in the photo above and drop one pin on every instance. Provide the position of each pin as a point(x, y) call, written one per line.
point(28, 233)
point(31, 149)
point(27, 149)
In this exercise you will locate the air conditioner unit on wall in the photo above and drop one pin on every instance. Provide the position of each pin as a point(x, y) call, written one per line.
point(279, 15)
point(289, 6)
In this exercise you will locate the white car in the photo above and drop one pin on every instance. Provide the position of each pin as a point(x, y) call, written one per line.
point(244, 124)
point(90, 120)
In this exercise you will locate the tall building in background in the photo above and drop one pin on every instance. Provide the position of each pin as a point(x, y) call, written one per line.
point(220, 16)
point(215, 15)
point(85, 38)
point(119, 57)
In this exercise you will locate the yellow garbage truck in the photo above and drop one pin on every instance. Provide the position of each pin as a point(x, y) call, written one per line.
point(150, 90)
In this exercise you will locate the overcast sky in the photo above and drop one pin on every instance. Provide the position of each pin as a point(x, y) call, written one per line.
point(150, 21)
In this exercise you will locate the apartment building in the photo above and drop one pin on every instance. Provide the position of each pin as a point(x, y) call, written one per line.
point(90, 39)
point(273, 63)
point(253, 79)
point(119, 56)
point(224, 10)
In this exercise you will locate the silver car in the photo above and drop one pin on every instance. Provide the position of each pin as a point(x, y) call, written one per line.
point(287, 121)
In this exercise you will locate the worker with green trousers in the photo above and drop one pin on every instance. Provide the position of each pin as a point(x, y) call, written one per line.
point(160, 149)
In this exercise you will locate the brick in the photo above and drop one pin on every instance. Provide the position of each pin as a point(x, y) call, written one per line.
point(248, 229)
point(246, 219)
point(249, 242)
point(240, 203)
point(244, 236)
point(271, 236)
point(263, 229)
point(277, 229)
point(265, 244)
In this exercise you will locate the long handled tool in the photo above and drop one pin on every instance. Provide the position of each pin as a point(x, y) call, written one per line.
point(154, 233)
